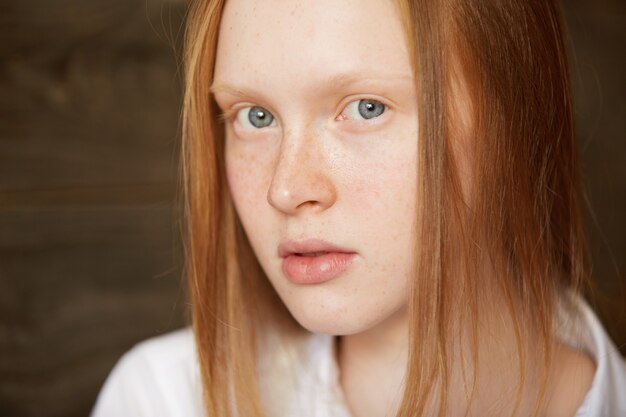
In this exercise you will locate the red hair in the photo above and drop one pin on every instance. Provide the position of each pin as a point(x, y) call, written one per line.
point(517, 216)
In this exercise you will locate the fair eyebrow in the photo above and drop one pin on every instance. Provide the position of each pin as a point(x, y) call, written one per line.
point(227, 88)
point(334, 82)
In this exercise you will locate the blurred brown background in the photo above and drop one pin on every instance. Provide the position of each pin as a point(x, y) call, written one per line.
point(89, 248)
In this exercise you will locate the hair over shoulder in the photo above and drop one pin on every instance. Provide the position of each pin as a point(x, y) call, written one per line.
point(518, 214)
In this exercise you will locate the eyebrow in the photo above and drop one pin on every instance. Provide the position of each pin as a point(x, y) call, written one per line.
point(333, 82)
point(228, 88)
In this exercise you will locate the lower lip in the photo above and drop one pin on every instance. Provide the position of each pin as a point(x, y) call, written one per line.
point(316, 269)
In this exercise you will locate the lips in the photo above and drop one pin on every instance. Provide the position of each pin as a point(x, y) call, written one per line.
point(309, 247)
point(313, 261)
point(312, 254)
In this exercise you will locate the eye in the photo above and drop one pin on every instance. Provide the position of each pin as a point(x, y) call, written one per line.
point(364, 109)
point(256, 117)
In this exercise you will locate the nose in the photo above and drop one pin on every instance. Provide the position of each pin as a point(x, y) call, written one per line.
point(302, 179)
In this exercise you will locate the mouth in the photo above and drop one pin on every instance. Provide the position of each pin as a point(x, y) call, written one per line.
point(314, 261)
point(309, 247)
point(311, 254)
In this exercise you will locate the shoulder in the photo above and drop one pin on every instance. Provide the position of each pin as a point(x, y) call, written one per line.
point(573, 372)
point(594, 358)
point(158, 377)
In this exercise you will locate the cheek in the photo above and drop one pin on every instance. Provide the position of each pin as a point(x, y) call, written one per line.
point(248, 181)
point(248, 176)
point(380, 205)
point(382, 186)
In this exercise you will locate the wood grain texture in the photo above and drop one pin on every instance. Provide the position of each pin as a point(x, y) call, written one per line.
point(90, 259)
point(89, 249)
point(598, 36)
point(80, 286)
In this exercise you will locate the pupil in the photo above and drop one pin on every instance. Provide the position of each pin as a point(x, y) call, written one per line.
point(259, 117)
point(371, 108)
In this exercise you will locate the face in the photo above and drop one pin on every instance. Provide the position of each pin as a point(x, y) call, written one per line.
point(321, 153)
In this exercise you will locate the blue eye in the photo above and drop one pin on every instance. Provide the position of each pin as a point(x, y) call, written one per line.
point(364, 109)
point(256, 117)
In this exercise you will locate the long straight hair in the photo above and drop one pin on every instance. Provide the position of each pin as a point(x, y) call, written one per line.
point(521, 215)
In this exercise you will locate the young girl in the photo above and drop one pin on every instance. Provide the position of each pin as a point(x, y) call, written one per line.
point(382, 209)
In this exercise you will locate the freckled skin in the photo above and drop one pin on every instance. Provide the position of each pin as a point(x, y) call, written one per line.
point(316, 173)
point(313, 174)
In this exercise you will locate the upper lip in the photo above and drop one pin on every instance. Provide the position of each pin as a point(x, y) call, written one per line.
point(291, 247)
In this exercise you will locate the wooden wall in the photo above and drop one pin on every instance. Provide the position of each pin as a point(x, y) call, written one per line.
point(89, 255)
point(89, 247)
point(598, 37)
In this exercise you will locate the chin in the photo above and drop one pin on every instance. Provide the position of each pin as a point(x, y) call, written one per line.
point(341, 308)
point(342, 320)
point(332, 327)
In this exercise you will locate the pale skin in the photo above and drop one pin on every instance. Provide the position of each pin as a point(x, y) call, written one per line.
point(321, 168)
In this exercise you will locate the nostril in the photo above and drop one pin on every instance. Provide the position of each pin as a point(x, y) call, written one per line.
point(300, 183)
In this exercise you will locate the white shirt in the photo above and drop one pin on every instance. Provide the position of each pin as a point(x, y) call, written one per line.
point(160, 377)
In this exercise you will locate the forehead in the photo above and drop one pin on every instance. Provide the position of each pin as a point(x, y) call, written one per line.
point(304, 42)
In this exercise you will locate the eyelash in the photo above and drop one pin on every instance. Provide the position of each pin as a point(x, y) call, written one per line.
point(357, 104)
point(231, 114)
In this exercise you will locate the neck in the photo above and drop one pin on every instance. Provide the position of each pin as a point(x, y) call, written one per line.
point(373, 365)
